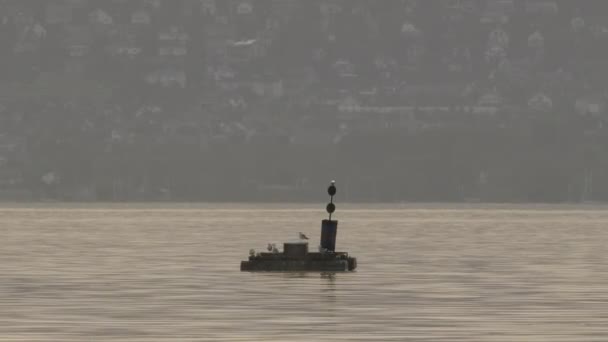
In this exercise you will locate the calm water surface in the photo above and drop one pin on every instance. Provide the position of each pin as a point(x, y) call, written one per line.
point(171, 273)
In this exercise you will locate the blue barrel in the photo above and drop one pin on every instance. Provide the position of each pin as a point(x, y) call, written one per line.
point(329, 231)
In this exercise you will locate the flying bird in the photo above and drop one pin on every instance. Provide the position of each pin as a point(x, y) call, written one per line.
point(303, 237)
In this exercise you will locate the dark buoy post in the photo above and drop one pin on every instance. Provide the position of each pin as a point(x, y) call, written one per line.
point(329, 228)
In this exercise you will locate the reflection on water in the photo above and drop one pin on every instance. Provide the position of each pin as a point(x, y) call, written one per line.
point(424, 274)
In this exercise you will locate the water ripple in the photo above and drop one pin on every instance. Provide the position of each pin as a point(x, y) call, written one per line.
point(172, 274)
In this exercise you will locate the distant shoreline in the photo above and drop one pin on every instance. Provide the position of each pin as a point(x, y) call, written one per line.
point(299, 206)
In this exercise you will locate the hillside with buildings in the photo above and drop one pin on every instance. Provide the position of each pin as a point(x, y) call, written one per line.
point(265, 100)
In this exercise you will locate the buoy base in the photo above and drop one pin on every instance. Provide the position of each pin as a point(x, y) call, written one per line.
point(311, 262)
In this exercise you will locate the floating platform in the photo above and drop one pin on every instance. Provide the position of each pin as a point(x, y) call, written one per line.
point(296, 257)
point(310, 262)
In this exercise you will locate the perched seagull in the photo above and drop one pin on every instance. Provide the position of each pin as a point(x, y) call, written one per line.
point(272, 247)
point(303, 237)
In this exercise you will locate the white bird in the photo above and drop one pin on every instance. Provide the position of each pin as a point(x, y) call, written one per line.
point(272, 247)
point(302, 236)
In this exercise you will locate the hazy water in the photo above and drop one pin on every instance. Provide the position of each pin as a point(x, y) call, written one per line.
point(171, 273)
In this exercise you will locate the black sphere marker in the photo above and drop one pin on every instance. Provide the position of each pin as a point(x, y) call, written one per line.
point(332, 189)
point(331, 207)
